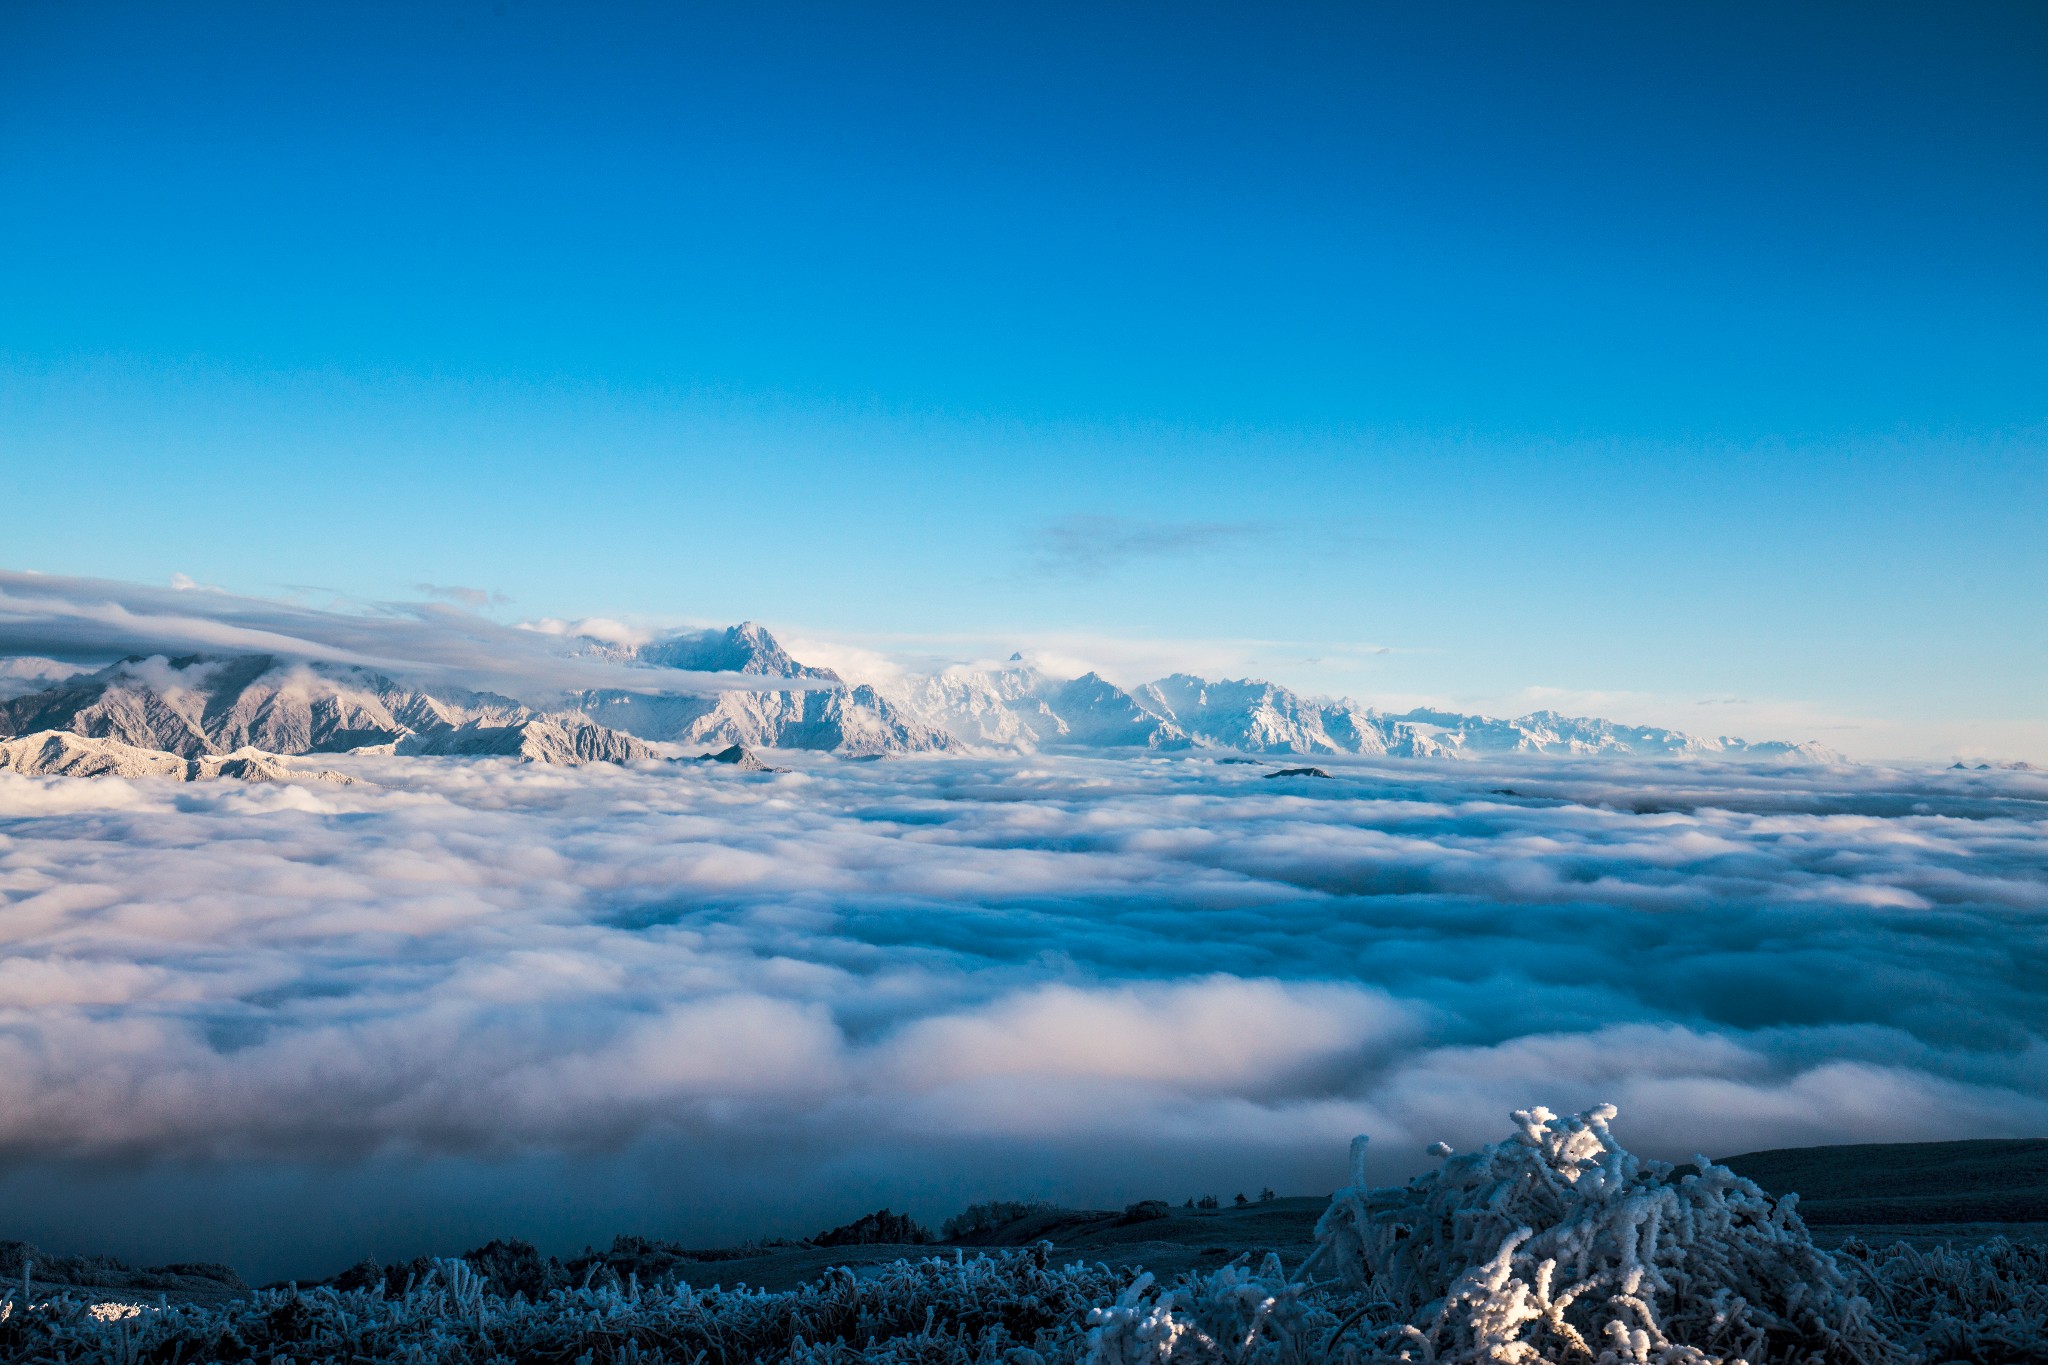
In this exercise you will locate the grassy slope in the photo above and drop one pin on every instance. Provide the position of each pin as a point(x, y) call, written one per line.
point(1990, 1181)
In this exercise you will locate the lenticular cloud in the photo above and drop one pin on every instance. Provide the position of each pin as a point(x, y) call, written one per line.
point(1157, 963)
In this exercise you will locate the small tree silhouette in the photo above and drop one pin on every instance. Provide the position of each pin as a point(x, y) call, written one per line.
point(1242, 1201)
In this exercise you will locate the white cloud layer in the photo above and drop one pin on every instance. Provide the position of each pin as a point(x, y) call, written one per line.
point(920, 981)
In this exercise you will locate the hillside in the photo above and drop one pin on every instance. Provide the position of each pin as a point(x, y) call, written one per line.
point(1984, 1181)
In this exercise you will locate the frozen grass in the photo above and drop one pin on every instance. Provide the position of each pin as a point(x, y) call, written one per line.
point(1554, 1245)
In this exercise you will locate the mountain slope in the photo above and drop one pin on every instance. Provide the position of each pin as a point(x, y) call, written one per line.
point(60, 753)
point(1002, 708)
point(198, 709)
point(744, 648)
point(824, 714)
point(1015, 706)
point(1100, 714)
point(194, 705)
point(848, 720)
point(563, 739)
point(1246, 714)
point(1549, 732)
point(1977, 1180)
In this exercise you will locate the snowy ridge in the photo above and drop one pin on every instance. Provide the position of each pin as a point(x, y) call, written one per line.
point(1015, 706)
point(562, 739)
point(196, 705)
point(193, 706)
point(60, 753)
point(848, 720)
point(744, 648)
point(826, 713)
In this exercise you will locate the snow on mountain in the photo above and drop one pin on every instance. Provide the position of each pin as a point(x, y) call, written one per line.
point(1016, 706)
point(847, 720)
point(567, 739)
point(1549, 732)
point(1246, 714)
point(195, 706)
point(195, 709)
point(744, 648)
point(1100, 714)
point(60, 753)
point(1000, 708)
point(828, 714)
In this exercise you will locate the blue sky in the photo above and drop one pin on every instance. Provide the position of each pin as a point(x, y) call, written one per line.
point(1686, 366)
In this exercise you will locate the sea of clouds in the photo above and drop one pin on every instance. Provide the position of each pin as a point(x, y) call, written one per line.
point(291, 1023)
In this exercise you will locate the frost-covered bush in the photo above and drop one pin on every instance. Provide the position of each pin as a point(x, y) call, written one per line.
point(1005, 1309)
point(1557, 1244)
point(1230, 1315)
point(1987, 1305)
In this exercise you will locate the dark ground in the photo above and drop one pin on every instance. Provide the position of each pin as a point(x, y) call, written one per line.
point(1182, 1240)
point(1909, 1182)
point(1922, 1193)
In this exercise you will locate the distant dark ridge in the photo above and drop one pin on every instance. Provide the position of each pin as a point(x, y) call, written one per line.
point(1987, 1180)
point(19, 1259)
point(880, 1228)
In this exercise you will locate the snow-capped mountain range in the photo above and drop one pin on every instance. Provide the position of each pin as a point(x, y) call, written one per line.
point(1015, 706)
point(196, 707)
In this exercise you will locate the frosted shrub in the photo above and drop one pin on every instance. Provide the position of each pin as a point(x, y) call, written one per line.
point(1006, 1309)
point(1231, 1315)
point(1987, 1305)
point(1558, 1245)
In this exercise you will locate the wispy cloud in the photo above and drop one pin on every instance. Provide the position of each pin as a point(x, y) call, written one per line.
point(476, 598)
point(1080, 544)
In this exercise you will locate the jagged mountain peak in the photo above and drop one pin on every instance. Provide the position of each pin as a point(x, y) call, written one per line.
point(824, 712)
point(1097, 712)
point(745, 648)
